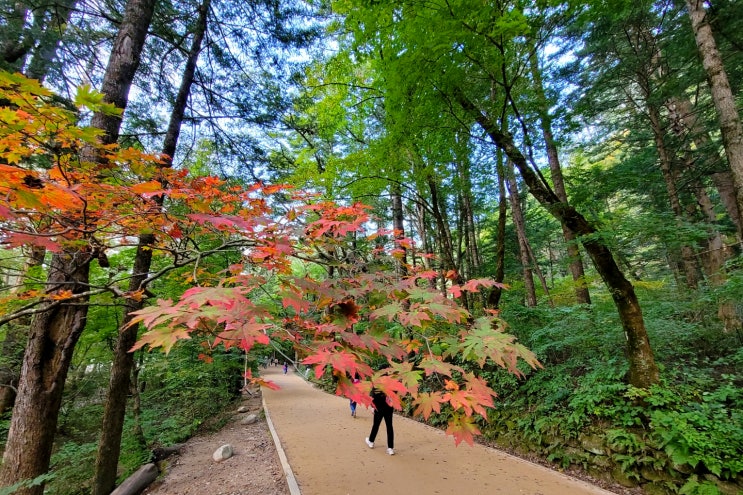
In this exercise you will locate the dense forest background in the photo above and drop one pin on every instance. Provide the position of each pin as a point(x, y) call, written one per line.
point(571, 170)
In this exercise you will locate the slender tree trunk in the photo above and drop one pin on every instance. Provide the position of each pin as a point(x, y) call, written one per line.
point(470, 227)
point(54, 333)
point(714, 257)
point(722, 96)
point(518, 221)
point(643, 371)
point(398, 226)
point(109, 446)
point(582, 295)
point(447, 249)
point(688, 257)
point(500, 248)
point(420, 217)
point(540, 275)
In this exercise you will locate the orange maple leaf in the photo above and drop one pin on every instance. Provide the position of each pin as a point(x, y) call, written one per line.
point(427, 403)
point(462, 428)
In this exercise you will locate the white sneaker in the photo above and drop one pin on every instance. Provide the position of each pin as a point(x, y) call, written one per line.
point(370, 444)
point(390, 452)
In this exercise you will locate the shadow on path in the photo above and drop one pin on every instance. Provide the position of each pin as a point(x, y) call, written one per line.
point(325, 448)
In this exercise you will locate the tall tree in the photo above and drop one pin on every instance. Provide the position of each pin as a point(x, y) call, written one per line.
point(582, 295)
point(479, 49)
point(518, 220)
point(109, 446)
point(56, 329)
point(722, 95)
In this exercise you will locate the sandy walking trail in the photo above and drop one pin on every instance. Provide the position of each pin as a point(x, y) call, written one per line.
point(325, 450)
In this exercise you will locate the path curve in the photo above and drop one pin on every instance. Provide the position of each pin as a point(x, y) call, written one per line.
point(325, 451)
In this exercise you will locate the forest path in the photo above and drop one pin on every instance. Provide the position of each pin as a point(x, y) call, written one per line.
point(325, 450)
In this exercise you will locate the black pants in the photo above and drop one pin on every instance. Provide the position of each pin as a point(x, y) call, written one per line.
point(385, 413)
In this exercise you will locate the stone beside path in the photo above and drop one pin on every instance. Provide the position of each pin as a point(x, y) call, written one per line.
point(323, 449)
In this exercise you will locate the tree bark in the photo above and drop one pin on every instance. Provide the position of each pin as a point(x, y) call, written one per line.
point(518, 221)
point(500, 248)
point(398, 226)
point(643, 370)
point(109, 446)
point(722, 96)
point(686, 125)
point(688, 258)
point(52, 337)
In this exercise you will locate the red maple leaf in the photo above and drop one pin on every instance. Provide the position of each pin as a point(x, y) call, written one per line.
point(341, 361)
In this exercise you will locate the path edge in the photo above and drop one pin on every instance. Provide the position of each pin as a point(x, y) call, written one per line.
point(291, 481)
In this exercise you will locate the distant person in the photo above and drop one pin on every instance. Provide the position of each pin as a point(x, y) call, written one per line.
point(286, 367)
point(382, 409)
point(353, 403)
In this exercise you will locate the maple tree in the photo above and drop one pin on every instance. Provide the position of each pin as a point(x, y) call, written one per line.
point(340, 324)
point(343, 324)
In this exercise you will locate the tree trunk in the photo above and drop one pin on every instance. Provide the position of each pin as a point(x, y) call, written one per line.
point(470, 228)
point(722, 96)
point(122, 64)
point(420, 219)
point(518, 222)
point(582, 295)
point(398, 226)
point(55, 332)
point(688, 258)
point(643, 371)
point(52, 338)
point(685, 121)
point(500, 248)
point(109, 446)
point(447, 249)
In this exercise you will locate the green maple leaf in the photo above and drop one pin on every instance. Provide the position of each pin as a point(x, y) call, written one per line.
point(449, 312)
point(409, 377)
point(390, 311)
point(484, 342)
point(433, 365)
point(462, 428)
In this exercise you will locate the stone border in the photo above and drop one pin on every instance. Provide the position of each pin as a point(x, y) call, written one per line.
point(291, 481)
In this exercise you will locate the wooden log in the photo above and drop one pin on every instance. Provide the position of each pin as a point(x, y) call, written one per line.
point(137, 482)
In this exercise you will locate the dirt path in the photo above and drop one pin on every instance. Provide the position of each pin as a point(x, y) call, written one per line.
point(325, 448)
point(322, 448)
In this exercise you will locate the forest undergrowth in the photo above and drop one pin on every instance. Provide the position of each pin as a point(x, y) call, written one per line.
point(577, 413)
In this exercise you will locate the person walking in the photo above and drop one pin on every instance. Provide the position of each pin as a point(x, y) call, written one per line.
point(382, 410)
point(355, 380)
point(286, 367)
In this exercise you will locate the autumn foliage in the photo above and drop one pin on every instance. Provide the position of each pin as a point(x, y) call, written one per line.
point(311, 271)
